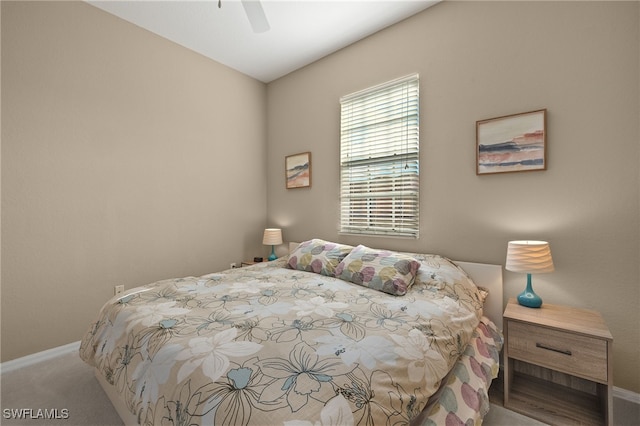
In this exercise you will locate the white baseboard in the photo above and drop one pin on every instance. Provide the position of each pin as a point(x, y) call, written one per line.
point(29, 360)
point(627, 395)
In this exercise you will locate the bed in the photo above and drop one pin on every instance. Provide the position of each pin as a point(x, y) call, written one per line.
point(331, 334)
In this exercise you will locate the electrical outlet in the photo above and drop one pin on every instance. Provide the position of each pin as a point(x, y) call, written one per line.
point(118, 289)
point(234, 265)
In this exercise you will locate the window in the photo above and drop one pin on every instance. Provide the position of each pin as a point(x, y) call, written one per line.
point(379, 154)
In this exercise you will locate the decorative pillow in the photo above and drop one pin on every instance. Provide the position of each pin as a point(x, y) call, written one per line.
point(440, 274)
point(382, 270)
point(319, 256)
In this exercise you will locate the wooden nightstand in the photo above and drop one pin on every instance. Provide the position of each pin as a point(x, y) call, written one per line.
point(570, 352)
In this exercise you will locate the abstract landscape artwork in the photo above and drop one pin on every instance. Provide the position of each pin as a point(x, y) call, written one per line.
point(512, 143)
point(298, 170)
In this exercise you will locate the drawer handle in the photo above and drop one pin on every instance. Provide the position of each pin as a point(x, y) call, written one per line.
point(549, 348)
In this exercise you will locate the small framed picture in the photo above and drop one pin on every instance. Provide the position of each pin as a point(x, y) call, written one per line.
point(297, 170)
point(512, 143)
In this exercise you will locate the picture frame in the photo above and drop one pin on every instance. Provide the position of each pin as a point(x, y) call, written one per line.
point(512, 143)
point(297, 168)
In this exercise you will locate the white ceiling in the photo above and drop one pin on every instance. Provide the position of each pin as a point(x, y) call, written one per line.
point(302, 31)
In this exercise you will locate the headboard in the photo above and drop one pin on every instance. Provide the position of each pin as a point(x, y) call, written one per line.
point(490, 277)
point(484, 275)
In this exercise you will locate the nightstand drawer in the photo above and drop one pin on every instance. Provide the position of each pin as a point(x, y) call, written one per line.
point(570, 353)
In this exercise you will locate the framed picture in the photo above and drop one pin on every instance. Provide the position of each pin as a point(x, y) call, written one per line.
point(297, 170)
point(513, 143)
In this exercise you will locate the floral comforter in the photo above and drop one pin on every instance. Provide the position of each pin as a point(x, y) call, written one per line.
point(267, 345)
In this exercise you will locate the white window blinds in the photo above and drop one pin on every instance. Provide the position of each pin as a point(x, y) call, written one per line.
point(379, 154)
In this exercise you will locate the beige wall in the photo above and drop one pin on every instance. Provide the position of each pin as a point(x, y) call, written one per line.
point(478, 60)
point(125, 159)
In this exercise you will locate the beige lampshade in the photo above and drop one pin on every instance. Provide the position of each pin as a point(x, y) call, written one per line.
point(531, 257)
point(272, 236)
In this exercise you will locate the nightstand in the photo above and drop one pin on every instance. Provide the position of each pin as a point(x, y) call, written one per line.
point(569, 351)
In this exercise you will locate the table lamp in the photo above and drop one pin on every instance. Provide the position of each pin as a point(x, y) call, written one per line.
point(272, 237)
point(530, 257)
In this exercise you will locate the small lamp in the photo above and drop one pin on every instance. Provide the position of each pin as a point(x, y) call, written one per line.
point(272, 236)
point(530, 257)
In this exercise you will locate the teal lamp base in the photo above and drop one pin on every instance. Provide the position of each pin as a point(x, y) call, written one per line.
point(272, 256)
point(528, 297)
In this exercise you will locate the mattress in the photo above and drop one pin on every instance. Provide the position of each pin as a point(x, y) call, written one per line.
point(268, 344)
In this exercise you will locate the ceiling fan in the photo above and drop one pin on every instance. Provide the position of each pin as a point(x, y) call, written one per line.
point(255, 14)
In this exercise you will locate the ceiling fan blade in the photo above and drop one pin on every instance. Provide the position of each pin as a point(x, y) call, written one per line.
point(255, 13)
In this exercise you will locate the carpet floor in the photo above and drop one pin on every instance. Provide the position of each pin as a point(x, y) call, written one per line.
point(67, 385)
